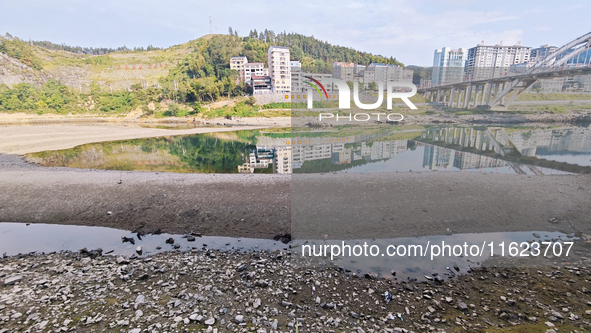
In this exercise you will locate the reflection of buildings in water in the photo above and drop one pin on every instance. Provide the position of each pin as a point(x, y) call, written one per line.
point(289, 157)
point(435, 157)
point(260, 163)
point(574, 139)
point(464, 137)
point(283, 160)
point(464, 160)
point(461, 147)
point(317, 152)
point(245, 168)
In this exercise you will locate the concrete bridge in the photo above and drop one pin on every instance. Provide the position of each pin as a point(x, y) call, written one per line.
point(499, 92)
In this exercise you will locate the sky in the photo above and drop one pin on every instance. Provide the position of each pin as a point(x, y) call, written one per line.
point(407, 30)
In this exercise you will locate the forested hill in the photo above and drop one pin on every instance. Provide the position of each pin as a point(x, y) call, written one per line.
point(317, 55)
point(194, 72)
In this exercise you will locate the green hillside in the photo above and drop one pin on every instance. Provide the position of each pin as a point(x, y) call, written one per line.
point(49, 78)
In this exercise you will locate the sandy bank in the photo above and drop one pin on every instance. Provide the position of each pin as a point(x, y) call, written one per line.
point(23, 139)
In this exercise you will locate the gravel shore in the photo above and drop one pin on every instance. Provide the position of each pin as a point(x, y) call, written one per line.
point(211, 291)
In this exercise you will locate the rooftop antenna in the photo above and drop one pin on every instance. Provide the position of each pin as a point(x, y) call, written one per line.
point(210, 26)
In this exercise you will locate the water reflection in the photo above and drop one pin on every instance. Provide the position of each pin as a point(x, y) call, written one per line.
point(413, 257)
point(18, 238)
point(373, 149)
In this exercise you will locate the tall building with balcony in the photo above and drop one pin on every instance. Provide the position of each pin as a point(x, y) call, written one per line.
point(279, 68)
point(448, 66)
point(237, 63)
point(491, 61)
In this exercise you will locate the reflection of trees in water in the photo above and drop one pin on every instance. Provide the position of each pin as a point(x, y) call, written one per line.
point(203, 153)
point(207, 154)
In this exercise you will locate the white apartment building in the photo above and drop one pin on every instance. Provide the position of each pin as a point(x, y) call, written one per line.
point(253, 69)
point(485, 62)
point(279, 68)
point(237, 63)
point(448, 65)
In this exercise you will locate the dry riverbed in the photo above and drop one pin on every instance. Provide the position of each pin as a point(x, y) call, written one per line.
point(210, 291)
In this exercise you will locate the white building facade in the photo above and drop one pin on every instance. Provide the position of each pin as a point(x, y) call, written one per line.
point(279, 68)
point(486, 62)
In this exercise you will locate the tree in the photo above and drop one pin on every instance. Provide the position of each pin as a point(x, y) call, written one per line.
point(250, 101)
point(373, 86)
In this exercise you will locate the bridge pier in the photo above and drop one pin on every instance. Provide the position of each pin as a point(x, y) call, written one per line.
point(503, 86)
point(468, 96)
point(452, 95)
point(482, 97)
point(496, 90)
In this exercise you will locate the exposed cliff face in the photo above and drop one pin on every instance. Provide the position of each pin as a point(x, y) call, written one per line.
point(13, 71)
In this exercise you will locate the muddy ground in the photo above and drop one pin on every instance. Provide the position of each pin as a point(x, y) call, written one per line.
point(371, 205)
point(229, 205)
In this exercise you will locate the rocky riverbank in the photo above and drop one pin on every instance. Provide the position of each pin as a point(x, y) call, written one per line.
point(211, 291)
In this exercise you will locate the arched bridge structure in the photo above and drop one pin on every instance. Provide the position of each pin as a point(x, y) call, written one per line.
point(500, 91)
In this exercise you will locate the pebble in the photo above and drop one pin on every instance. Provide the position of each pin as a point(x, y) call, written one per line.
point(196, 317)
point(13, 279)
point(204, 290)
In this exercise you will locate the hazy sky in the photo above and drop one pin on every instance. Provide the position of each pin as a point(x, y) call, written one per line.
point(407, 30)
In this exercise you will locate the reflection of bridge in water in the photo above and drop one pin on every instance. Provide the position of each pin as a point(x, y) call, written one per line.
point(501, 91)
point(442, 148)
point(498, 148)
